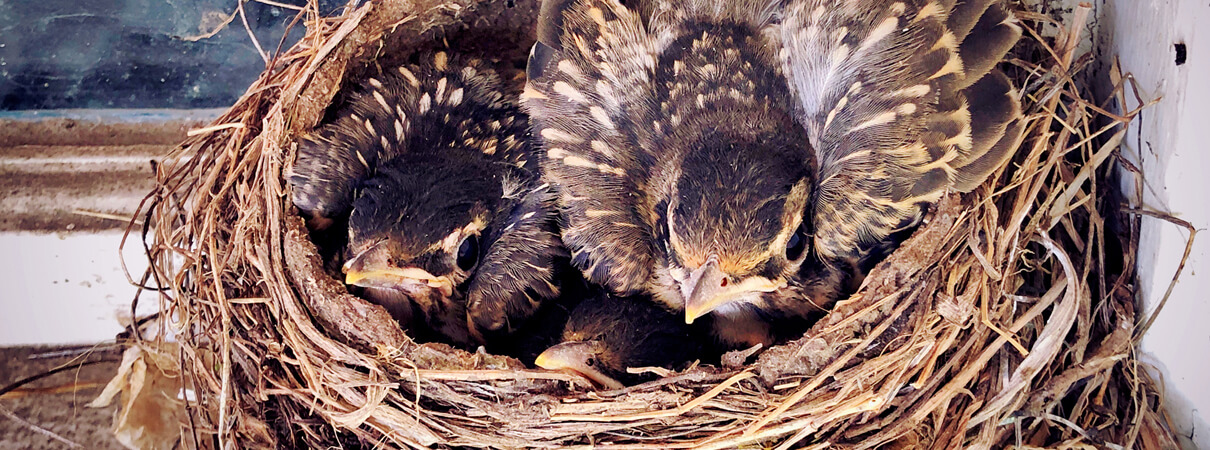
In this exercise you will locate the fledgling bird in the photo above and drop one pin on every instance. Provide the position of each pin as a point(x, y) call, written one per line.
point(449, 224)
point(605, 335)
point(751, 160)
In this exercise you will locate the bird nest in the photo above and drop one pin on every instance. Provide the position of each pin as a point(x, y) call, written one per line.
point(1010, 317)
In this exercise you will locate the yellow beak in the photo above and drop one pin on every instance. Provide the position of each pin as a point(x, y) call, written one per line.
point(712, 288)
point(574, 357)
point(391, 277)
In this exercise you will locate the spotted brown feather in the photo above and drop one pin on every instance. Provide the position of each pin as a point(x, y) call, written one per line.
point(584, 82)
point(902, 103)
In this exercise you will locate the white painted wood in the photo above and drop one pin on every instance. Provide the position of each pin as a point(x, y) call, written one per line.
point(1172, 139)
point(66, 288)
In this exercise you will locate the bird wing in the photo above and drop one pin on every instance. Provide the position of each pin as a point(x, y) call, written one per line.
point(517, 272)
point(331, 163)
point(588, 94)
point(668, 14)
point(901, 102)
point(445, 102)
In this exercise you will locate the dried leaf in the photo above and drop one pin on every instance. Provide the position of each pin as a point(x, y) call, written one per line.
point(149, 382)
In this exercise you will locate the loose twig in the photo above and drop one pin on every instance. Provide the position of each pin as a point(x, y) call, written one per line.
point(45, 432)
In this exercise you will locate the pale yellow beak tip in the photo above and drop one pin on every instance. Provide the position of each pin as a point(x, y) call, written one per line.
point(353, 277)
point(690, 316)
point(545, 361)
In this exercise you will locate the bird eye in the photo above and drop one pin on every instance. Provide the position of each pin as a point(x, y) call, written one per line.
point(590, 362)
point(796, 245)
point(468, 253)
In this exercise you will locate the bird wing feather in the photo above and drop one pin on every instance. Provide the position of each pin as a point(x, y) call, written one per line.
point(516, 273)
point(590, 76)
point(901, 103)
point(331, 163)
point(445, 102)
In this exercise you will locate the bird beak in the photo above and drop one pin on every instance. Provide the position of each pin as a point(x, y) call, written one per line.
point(408, 279)
point(712, 288)
point(574, 356)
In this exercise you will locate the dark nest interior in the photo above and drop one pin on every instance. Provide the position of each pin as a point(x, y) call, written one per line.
point(1010, 318)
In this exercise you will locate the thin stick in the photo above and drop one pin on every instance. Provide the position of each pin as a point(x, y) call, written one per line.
point(1179, 268)
point(209, 34)
point(66, 367)
point(280, 5)
point(106, 216)
point(1046, 345)
point(828, 372)
point(491, 375)
point(691, 405)
point(243, 17)
point(213, 128)
point(45, 432)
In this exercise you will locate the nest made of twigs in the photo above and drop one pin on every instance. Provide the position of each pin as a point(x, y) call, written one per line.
point(1009, 318)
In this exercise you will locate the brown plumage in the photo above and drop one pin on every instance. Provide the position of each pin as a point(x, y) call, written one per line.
point(751, 160)
point(448, 222)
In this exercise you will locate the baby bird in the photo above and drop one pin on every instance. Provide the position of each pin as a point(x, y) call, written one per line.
point(750, 160)
point(449, 226)
point(605, 335)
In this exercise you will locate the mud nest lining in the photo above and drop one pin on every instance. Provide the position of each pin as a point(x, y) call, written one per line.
point(1011, 317)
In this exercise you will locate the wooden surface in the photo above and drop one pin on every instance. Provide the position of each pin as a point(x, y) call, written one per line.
point(82, 171)
point(57, 403)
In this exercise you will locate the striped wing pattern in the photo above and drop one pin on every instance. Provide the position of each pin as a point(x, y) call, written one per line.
point(901, 103)
point(517, 272)
point(588, 78)
point(436, 105)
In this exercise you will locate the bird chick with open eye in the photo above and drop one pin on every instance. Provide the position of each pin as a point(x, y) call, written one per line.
point(751, 160)
point(605, 335)
point(448, 222)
